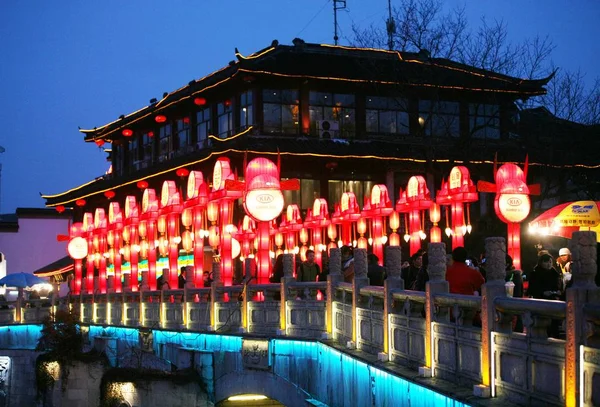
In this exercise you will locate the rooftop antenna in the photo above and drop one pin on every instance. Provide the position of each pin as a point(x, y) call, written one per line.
point(390, 26)
point(335, 24)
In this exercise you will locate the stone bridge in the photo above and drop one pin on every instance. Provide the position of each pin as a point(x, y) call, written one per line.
point(352, 344)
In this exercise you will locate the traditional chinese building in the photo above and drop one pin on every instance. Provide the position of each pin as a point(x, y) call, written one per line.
point(341, 119)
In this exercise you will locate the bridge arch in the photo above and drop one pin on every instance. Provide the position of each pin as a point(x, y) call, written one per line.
point(259, 382)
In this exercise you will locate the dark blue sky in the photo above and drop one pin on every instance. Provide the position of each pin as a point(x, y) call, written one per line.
point(65, 64)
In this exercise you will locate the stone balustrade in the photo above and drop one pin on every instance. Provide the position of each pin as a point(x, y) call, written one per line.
point(463, 339)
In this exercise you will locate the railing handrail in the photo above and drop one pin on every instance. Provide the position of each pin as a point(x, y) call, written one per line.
point(416, 296)
point(549, 308)
point(465, 301)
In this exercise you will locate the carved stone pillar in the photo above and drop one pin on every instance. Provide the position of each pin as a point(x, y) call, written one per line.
point(437, 284)
point(214, 294)
point(495, 252)
point(393, 264)
point(583, 291)
point(333, 278)
point(288, 276)
point(360, 280)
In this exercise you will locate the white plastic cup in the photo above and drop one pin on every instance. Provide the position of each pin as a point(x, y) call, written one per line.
point(509, 286)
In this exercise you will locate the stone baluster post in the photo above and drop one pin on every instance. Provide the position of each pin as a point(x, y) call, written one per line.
point(360, 280)
point(333, 278)
point(214, 294)
point(583, 291)
point(437, 284)
point(393, 266)
point(249, 266)
point(288, 276)
point(495, 252)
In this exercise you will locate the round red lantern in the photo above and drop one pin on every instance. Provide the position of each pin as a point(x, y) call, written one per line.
point(142, 184)
point(127, 132)
point(160, 118)
point(109, 194)
point(186, 120)
point(80, 202)
point(99, 143)
point(199, 101)
point(150, 134)
point(182, 172)
point(60, 208)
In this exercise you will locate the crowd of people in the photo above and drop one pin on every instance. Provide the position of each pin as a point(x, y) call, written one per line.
point(466, 274)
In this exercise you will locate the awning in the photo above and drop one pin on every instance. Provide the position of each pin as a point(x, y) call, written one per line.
point(56, 269)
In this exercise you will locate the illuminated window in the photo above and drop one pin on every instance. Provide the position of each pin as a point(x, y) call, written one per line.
point(165, 147)
point(203, 127)
point(439, 118)
point(335, 109)
point(225, 119)
point(387, 115)
point(306, 195)
point(280, 111)
point(484, 121)
point(246, 111)
point(337, 188)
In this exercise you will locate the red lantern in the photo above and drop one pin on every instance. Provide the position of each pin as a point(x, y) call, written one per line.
point(199, 101)
point(127, 132)
point(160, 118)
point(142, 184)
point(186, 120)
point(182, 172)
point(227, 103)
point(80, 202)
point(109, 194)
point(99, 143)
point(150, 134)
point(60, 208)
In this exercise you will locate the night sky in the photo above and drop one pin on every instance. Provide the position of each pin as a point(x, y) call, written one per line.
point(65, 64)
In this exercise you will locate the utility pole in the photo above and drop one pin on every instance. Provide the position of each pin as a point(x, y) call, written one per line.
point(390, 26)
point(335, 24)
point(2, 149)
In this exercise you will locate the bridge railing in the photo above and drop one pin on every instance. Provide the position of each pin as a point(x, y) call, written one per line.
point(465, 339)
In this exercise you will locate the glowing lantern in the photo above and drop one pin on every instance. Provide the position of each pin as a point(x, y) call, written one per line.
point(199, 101)
point(159, 118)
point(150, 134)
point(435, 216)
point(142, 184)
point(303, 236)
point(512, 202)
point(212, 211)
point(60, 208)
point(186, 217)
point(376, 208)
point(80, 202)
point(143, 228)
point(331, 232)
point(213, 237)
point(109, 194)
point(182, 172)
point(279, 239)
point(187, 241)
point(412, 201)
point(263, 201)
point(161, 224)
point(127, 132)
point(457, 191)
point(99, 143)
